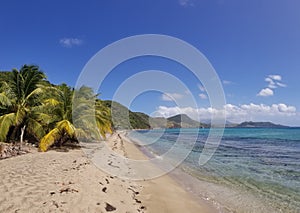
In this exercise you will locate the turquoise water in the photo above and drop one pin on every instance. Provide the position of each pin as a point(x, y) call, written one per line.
point(257, 169)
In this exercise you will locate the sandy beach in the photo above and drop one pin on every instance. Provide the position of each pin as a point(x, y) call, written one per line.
point(67, 181)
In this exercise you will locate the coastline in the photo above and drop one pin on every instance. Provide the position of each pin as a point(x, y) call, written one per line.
point(237, 179)
point(165, 194)
point(68, 181)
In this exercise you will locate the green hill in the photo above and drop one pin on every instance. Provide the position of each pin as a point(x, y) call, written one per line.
point(184, 121)
point(120, 115)
point(139, 120)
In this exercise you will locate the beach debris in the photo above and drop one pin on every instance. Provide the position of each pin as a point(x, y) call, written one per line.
point(137, 201)
point(135, 192)
point(142, 208)
point(109, 207)
point(69, 183)
point(80, 165)
point(104, 189)
point(52, 193)
point(107, 181)
point(11, 150)
point(110, 164)
point(67, 189)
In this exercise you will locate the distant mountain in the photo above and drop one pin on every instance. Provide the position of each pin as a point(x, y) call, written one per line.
point(123, 118)
point(228, 124)
point(251, 124)
point(139, 120)
point(184, 121)
point(159, 122)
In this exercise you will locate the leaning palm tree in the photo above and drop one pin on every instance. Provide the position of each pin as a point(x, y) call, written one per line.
point(67, 108)
point(18, 98)
point(90, 114)
point(58, 106)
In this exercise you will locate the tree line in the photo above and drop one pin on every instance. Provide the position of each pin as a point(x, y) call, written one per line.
point(33, 109)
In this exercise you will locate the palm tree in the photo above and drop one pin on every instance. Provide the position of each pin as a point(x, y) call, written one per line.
point(67, 108)
point(18, 98)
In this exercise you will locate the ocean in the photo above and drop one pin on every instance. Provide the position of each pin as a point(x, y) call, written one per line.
point(252, 170)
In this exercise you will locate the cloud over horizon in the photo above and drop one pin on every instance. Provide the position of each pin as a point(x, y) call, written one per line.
point(278, 113)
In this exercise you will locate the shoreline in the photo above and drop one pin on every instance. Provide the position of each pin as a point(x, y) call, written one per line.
point(68, 181)
point(228, 193)
point(164, 186)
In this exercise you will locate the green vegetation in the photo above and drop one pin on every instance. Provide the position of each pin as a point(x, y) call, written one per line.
point(120, 115)
point(31, 108)
point(19, 99)
point(139, 120)
point(183, 121)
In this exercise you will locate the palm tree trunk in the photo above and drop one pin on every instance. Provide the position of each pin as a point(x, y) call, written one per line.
point(22, 135)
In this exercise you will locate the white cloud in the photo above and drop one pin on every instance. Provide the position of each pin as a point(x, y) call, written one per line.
point(281, 84)
point(70, 42)
point(202, 88)
point(186, 3)
point(171, 96)
point(265, 92)
point(274, 81)
point(202, 96)
point(275, 77)
point(278, 113)
point(271, 82)
point(225, 82)
point(284, 108)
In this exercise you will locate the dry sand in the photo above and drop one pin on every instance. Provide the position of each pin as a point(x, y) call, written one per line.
point(69, 182)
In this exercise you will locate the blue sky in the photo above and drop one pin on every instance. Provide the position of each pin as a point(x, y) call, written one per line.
point(253, 45)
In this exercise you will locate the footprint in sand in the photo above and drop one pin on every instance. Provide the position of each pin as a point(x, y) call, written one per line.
point(109, 207)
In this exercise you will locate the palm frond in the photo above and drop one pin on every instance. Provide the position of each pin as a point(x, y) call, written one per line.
point(67, 127)
point(35, 128)
point(49, 139)
point(34, 93)
point(20, 115)
point(51, 102)
point(81, 134)
point(4, 100)
point(6, 121)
